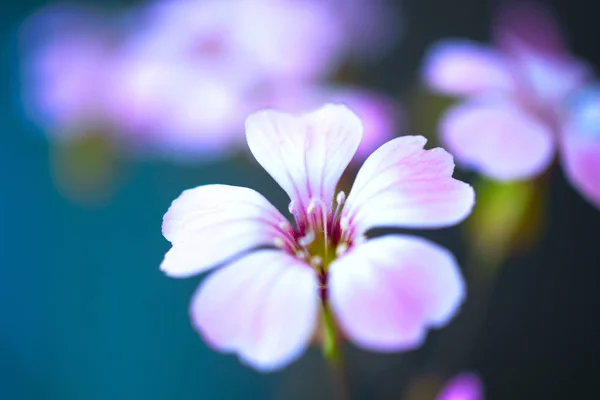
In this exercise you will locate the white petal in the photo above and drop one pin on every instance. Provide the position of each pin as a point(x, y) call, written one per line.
point(305, 154)
point(387, 292)
point(209, 224)
point(262, 307)
point(403, 185)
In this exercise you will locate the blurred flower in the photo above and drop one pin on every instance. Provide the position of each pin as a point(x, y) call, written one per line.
point(581, 143)
point(178, 80)
point(519, 97)
point(179, 76)
point(64, 74)
point(290, 39)
point(466, 386)
point(383, 292)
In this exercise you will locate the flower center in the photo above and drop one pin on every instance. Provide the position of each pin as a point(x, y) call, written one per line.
point(320, 234)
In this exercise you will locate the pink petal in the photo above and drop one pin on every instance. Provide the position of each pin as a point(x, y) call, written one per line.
point(210, 224)
point(460, 67)
point(388, 291)
point(305, 154)
point(550, 78)
point(497, 139)
point(581, 145)
point(65, 53)
point(262, 307)
point(401, 184)
point(466, 386)
point(528, 31)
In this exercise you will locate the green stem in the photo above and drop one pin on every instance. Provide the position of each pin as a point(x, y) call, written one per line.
point(332, 353)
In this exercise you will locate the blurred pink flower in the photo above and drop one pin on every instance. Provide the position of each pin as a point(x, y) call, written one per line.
point(66, 51)
point(179, 80)
point(580, 142)
point(178, 77)
point(290, 39)
point(466, 386)
point(518, 96)
point(384, 292)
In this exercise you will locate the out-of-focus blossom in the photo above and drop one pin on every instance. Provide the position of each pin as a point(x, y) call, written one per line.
point(290, 39)
point(64, 73)
point(519, 106)
point(581, 143)
point(199, 67)
point(179, 76)
point(180, 93)
point(466, 386)
point(384, 293)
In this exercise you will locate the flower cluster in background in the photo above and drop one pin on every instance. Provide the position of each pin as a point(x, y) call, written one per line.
point(179, 76)
point(525, 99)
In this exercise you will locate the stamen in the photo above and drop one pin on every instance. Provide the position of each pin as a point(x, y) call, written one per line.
point(311, 207)
point(345, 229)
point(316, 262)
point(279, 242)
point(340, 198)
point(292, 207)
point(307, 239)
point(341, 249)
point(285, 226)
point(301, 254)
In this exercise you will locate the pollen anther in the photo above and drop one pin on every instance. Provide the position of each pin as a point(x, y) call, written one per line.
point(341, 249)
point(279, 242)
point(284, 225)
point(316, 261)
point(306, 239)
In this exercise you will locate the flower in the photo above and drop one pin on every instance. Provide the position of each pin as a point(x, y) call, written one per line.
point(264, 303)
point(519, 97)
point(580, 143)
point(465, 386)
point(178, 77)
point(59, 43)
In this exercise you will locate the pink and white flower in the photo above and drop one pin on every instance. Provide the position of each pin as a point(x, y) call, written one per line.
point(384, 293)
point(520, 99)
